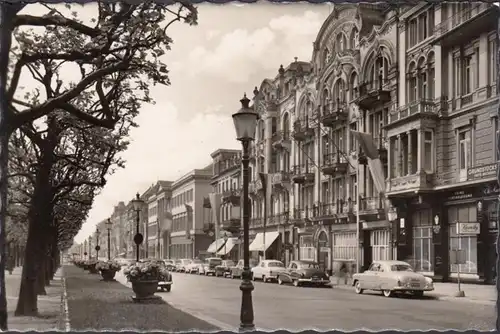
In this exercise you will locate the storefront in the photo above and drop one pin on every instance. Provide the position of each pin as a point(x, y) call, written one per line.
point(376, 242)
point(268, 242)
point(344, 245)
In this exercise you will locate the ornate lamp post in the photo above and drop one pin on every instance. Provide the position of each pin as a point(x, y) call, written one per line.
point(245, 122)
point(138, 238)
point(90, 247)
point(108, 226)
point(97, 247)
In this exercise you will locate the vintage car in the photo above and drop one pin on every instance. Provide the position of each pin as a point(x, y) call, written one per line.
point(304, 273)
point(235, 272)
point(202, 268)
point(268, 270)
point(392, 277)
point(165, 282)
point(224, 269)
point(181, 266)
point(170, 265)
point(192, 268)
point(211, 263)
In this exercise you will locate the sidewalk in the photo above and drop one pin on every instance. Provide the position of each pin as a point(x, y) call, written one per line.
point(50, 307)
point(97, 305)
point(475, 293)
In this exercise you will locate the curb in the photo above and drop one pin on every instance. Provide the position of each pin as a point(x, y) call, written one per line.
point(214, 322)
point(64, 300)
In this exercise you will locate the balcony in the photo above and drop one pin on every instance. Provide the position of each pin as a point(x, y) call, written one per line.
point(335, 114)
point(232, 196)
point(281, 181)
point(466, 24)
point(334, 165)
point(232, 225)
point(256, 222)
point(257, 149)
point(280, 218)
point(206, 203)
point(373, 94)
point(303, 174)
point(371, 206)
point(281, 140)
point(409, 184)
point(411, 111)
point(255, 187)
point(301, 129)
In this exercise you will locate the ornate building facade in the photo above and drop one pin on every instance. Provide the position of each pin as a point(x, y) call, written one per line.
point(421, 81)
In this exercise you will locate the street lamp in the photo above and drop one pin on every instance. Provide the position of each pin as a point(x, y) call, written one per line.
point(225, 243)
point(97, 247)
point(138, 238)
point(245, 122)
point(108, 225)
point(90, 247)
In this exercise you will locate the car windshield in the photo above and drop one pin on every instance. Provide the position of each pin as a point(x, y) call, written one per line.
point(186, 261)
point(178, 261)
point(275, 264)
point(215, 261)
point(229, 263)
point(306, 265)
point(401, 267)
point(169, 261)
point(197, 261)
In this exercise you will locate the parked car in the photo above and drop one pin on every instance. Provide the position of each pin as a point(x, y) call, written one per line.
point(192, 268)
point(268, 270)
point(181, 266)
point(211, 263)
point(224, 269)
point(165, 282)
point(235, 272)
point(392, 277)
point(177, 265)
point(170, 265)
point(202, 268)
point(303, 273)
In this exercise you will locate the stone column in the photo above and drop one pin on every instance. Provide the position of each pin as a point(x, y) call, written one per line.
point(399, 159)
point(410, 151)
point(419, 149)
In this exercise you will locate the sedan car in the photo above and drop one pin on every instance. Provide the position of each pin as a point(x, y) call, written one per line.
point(211, 263)
point(392, 277)
point(170, 265)
point(202, 268)
point(303, 273)
point(181, 266)
point(224, 269)
point(235, 272)
point(268, 270)
point(193, 267)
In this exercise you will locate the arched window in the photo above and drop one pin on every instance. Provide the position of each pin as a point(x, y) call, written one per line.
point(353, 38)
point(340, 42)
point(431, 75)
point(326, 57)
point(422, 79)
point(262, 130)
point(353, 86)
point(309, 108)
point(286, 126)
point(412, 83)
point(339, 91)
point(379, 70)
point(325, 101)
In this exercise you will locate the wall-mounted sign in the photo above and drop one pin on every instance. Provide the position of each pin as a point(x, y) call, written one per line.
point(459, 195)
point(482, 172)
point(468, 228)
point(324, 249)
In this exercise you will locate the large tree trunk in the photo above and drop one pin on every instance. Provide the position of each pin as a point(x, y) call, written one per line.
point(40, 279)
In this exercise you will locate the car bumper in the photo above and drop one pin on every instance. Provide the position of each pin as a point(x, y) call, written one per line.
point(314, 281)
point(409, 288)
point(210, 271)
point(164, 283)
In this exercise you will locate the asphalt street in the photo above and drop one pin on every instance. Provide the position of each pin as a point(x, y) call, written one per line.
point(297, 308)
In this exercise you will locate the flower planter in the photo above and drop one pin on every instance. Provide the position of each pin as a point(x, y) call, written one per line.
point(92, 269)
point(144, 290)
point(108, 275)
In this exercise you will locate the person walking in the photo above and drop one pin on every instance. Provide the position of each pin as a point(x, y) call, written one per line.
point(342, 272)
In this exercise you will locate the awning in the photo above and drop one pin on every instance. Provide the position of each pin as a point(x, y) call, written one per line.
point(258, 242)
point(226, 249)
point(214, 245)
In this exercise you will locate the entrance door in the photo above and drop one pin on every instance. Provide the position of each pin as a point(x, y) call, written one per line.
point(323, 251)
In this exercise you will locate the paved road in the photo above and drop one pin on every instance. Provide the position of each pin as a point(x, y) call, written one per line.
point(288, 307)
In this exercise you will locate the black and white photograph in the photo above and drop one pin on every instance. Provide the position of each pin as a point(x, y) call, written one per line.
point(183, 166)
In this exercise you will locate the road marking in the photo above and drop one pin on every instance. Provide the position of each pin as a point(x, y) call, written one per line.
point(67, 324)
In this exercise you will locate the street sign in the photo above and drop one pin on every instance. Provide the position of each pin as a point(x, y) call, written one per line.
point(457, 256)
point(468, 228)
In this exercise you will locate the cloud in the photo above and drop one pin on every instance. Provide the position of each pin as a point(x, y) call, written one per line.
point(163, 147)
point(211, 34)
point(239, 52)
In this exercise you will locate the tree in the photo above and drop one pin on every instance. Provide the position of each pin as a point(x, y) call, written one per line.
point(118, 56)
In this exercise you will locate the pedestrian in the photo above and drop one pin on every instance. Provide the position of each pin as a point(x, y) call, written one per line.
point(342, 272)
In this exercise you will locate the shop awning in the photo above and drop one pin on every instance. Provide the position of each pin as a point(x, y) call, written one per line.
point(258, 242)
point(226, 249)
point(379, 224)
point(215, 246)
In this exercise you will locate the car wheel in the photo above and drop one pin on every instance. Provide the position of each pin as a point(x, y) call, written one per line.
point(168, 288)
point(280, 282)
point(357, 288)
point(296, 283)
point(418, 294)
point(254, 278)
point(387, 293)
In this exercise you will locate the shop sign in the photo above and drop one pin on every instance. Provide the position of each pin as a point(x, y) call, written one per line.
point(468, 228)
point(324, 249)
point(482, 172)
point(306, 230)
point(459, 195)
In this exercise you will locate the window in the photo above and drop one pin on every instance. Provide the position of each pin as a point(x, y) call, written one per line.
point(325, 192)
point(423, 84)
point(467, 75)
point(379, 240)
point(456, 76)
point(344, 246)
point(412, 32)
point(464, 153)
point(306, 248)
point(423, 249)
point(428, 151)
point(352, 188)
point(353, 144)
point(492, 60)
point(467, 243)
point(495, 140)
point(422, 27)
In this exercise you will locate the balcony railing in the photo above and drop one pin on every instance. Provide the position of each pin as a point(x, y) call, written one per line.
point(281, 139)
point(373, 93)
point(334, 164)
point(459, 18)
point(280, 178)
point(232, 196)
point(301, 129)
point(334, 113)
point(303, 173)
point(224, 165)
point(370, 204)
point(413, 108)
point(279, 218)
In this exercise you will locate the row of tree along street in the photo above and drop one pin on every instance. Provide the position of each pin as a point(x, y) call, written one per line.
point(69, 100)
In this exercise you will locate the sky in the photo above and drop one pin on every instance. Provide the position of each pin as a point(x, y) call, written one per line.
point(231, 50)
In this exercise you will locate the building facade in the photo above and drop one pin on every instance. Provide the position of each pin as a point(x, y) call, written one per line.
point(187, 237)
point(159, 219)
point(379, 69)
